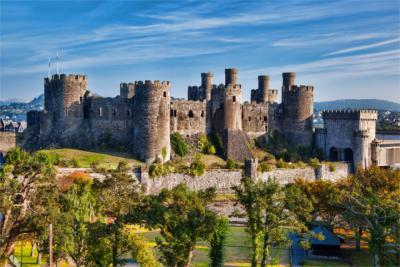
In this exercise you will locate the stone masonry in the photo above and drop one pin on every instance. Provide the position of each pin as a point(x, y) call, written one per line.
point(142, 117)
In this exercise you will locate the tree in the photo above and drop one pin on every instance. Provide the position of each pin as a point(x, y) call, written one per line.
point(324, 196)
point(248, 195)
point(183, 219)
point(371, 200)
point(78, 210)
point(26, 183)
point(110, 242)
point(217, 243)
point(269, 209)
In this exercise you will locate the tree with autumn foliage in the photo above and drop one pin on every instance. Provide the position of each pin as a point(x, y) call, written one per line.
point(371, 199)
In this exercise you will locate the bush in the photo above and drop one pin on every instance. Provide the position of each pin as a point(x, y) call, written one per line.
point(157, 170)
point(197, 168)
point(230, 164)
point(218, 144)
point(332, 166)
point(205, 146)
point(94, 165)
point(75, 163)
point(179, 145)
point(315, 164)
point(264, 167)
point(282, 164)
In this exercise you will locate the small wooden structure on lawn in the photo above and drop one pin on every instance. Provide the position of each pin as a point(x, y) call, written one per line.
point(328, 247)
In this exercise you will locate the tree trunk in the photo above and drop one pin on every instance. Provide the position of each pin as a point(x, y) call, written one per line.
point(3, 262)
point(254, 255)
point(376, 260)
point(189, 259)
point(39, 258)
point(358, 238)
point(265, 253)
point(33, 247)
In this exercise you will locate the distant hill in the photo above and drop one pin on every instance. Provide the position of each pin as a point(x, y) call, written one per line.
point(357, 104)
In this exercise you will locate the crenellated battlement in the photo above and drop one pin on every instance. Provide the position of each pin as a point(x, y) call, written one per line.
point(273, 91)
point(152, 84)
point(64, 77)
point(301, 89)
point(350, 114)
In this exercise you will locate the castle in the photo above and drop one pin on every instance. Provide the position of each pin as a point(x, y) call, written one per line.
point(144, 115)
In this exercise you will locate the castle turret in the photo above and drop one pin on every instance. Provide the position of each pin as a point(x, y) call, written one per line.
point(297, 104)
point(272, 96)
point(63, 96)
point(151, 133)
point(289, 79)
point(206, 84)
point(263, 87)
point(127, 90)
point(230, 76)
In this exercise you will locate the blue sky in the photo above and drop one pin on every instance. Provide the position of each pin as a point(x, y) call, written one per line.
point(346, 49)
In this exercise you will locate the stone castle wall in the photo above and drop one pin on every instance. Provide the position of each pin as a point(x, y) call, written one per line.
point(255, 119)
point(142, 117)
point(8, 140)
point(188, 117)
point(224, 180)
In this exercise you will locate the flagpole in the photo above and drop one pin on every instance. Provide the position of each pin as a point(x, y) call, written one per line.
point(48, 75)
point(57, 62)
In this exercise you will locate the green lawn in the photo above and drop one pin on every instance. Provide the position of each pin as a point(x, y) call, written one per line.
point(237, 250)
point(86, 158)
point(326, 263)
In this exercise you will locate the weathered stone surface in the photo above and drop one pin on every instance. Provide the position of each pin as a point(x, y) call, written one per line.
point(142, 117)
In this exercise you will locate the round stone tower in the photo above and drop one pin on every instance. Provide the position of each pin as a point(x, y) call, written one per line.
point(206, 84)
point(63, 94)
point(263, 87)
point(151, 133)
point(297, 110)
point(289, 79)
point(230, 76)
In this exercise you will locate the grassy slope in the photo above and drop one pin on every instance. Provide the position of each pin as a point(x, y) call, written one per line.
point(85, 158)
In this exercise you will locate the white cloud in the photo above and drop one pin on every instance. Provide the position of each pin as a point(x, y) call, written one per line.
point(364, 47)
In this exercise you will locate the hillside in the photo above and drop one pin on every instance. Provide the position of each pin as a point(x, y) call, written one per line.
point(358, 104)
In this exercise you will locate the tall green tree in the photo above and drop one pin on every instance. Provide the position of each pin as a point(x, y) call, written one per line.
point(270, 210)
point(371, 200)
point(183, 220)
point(248, 194)
point(26, 183)
point(79, 208)
point(117, 195)
point(218, 241)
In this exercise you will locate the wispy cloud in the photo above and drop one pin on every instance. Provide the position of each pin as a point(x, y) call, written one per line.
point(364, 47)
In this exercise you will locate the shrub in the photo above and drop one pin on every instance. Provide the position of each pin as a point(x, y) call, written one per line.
point(314, 163)
point(157, 170)
point(332, 166)
point(75, 163)
point(179, 145)
point(230, 164)
point(264, 167)
point(65, 182)
point(94, 165)
point(282, 164)
point(197, 167)
point(205, 146)
point(218, 144)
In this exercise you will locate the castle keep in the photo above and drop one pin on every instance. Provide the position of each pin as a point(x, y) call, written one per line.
point(143, 116)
